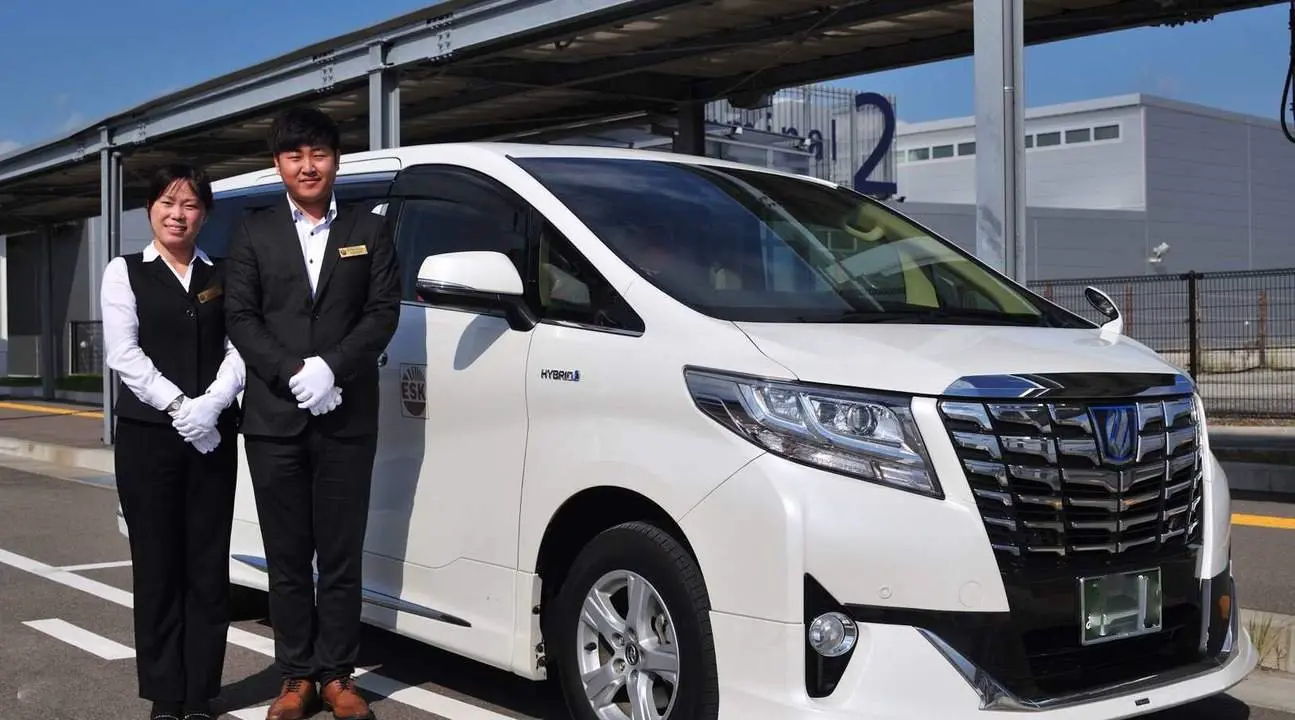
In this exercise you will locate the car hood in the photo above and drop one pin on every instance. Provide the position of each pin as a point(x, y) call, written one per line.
point(927, 359)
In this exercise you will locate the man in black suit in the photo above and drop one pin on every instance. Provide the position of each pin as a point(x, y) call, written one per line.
point(312, 299)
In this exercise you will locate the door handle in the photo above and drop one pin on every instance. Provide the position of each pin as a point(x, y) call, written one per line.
point(382, 359)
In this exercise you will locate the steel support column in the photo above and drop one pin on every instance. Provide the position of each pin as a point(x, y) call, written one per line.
point(690, 129)
point(110, 208)
point(1000, 166)
point(48, 333)
point(384, 100)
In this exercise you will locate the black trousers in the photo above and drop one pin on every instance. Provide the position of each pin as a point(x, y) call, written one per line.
point(178, 505)
point(312, 498)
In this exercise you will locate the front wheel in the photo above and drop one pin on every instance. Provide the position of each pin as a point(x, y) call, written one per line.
point(629, 633)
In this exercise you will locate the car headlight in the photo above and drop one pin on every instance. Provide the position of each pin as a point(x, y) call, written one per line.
point(864, 435)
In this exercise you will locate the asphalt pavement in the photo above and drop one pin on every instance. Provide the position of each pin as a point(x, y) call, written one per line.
point(1262, 556)
point(66, 625)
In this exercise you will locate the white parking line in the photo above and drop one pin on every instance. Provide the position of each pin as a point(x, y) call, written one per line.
point(252, 713)
point(63, 577)
point(81, 638)
point(95, 566)
point(415, 697)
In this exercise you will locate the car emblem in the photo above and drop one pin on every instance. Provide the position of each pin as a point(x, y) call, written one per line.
point(1117, 427)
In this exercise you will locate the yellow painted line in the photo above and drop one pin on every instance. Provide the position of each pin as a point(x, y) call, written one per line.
point(1264, 521)
point(47, 410)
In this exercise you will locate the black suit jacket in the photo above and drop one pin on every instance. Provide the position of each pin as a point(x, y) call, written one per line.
point(275, 324)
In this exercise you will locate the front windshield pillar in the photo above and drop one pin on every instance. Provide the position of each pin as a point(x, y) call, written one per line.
point(1000, 140)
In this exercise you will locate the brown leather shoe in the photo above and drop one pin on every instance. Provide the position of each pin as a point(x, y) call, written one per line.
point(342, 698)
point(297, 700)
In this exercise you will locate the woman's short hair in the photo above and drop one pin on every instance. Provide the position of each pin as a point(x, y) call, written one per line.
point(168, 174)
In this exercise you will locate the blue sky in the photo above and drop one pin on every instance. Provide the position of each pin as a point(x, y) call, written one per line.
point(70, 62)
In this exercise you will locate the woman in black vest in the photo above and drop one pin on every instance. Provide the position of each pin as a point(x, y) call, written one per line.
point(176, 461)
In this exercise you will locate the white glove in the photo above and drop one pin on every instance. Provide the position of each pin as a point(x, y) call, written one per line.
point(329, 402)
point(206, 441)
point(312, 384)
point(197, 416)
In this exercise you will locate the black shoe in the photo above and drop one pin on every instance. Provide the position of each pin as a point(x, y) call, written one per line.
point(166, 711)
point(198, 711)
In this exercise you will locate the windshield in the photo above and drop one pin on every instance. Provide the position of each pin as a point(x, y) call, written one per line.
point(746, 245)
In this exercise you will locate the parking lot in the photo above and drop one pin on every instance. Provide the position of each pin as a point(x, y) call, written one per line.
point(65, 616)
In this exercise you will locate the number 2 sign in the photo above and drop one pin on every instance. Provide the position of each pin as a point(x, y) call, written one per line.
point(861, 181)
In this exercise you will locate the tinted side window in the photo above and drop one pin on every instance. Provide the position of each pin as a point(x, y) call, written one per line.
point(570, 289)
point(213, 238)
point(227, 211)
point(431, 226)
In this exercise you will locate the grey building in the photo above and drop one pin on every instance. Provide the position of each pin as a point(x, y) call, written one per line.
point(1111, 180)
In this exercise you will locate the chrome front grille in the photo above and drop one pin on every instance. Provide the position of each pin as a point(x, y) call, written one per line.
point(1056, 479)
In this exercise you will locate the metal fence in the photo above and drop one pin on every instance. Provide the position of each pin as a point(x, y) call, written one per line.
point(1233, 331)
point(84, 348)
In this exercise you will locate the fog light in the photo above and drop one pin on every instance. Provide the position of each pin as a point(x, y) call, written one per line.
point(832, 634)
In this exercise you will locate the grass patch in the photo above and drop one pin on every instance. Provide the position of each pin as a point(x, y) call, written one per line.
point(91, 383)
point(81, 383)
point(1269, 639)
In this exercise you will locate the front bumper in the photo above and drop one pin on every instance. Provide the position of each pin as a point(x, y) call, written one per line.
point(896, 672)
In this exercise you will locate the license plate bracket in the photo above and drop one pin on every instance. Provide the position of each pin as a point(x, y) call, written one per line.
point(1120, 606)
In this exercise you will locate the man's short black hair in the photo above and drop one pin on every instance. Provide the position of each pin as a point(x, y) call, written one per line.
point(194, 176)
point(303, 125)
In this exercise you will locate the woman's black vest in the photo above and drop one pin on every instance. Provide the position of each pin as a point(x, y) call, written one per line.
point(182, 332)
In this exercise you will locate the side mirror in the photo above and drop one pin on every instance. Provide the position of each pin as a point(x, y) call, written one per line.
point(476, 280)
point(1106, 306)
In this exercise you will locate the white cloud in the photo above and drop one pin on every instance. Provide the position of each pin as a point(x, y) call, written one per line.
point(8, 146)
point(73, 122)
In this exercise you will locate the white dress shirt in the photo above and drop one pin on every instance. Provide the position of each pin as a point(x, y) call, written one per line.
point(313, 237)
point(121, 339)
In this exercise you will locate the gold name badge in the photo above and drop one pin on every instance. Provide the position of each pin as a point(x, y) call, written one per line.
point(353, 250)
point(209, 294)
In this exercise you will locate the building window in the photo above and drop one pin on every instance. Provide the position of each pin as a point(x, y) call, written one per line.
point(1082, 135)
point(967, 148)
point(919, 154)
point(941, 151)
point(1029, 141)
point(1107, 132)
point(1049, 139)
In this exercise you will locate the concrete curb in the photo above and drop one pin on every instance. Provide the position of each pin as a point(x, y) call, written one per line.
point(1272, 456)
point(1268, 479)
point(1259, 445)
point(100, 459)
point(1274, 637)
point(1267, 689)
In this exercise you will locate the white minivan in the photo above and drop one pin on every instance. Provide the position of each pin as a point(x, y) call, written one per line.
point(702, 440)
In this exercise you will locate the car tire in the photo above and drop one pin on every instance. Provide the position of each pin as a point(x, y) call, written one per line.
point(635, 653)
